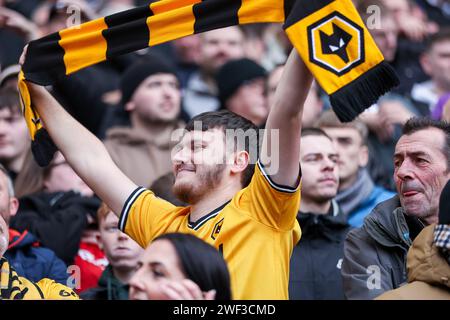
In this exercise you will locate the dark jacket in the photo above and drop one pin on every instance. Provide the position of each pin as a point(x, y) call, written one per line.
point(33, 262)
point(109, 288)
point(316, 259)
point(56, 219)
point(375, 254)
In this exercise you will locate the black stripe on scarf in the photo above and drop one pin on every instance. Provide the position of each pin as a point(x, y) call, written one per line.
point(127, 31)
point(47, 52)
point(288, 4)
point(304, 8)
point(215, 14)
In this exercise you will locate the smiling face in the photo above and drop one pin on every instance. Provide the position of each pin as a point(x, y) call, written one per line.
point(420, 172)
point(158, 265)
point(199, 164)
point(318, 159)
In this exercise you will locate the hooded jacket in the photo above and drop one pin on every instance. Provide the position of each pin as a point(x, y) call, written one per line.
point(375, 254)
point(109, 288)
point(14, 287)
point(56, 219)
point(316, 260)
point(428, 272)
point(143, 158)
point(33, 262)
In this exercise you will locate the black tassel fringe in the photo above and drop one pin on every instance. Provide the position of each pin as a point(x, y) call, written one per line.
point(351, 100)
point(43, 148)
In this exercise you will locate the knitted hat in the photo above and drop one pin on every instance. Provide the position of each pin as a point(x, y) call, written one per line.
point(444, 205)
point(10, 72)
point(234, 74)
point(141, 70)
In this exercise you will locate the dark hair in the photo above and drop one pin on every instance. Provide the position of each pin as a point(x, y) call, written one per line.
point(9, 98)
point(227, 120)
point(442, 35)
point(201, 263)
point(328, 119)
point(417, 124)
point(314, 132)
point(162, 187)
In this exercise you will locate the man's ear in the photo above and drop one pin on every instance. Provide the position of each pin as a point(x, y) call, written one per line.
point(363, 156)
point(241, 162)
point(425, 63)
point(130, 106)
point(13, 206)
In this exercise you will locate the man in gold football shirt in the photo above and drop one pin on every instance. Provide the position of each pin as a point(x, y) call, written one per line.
point(250, 217)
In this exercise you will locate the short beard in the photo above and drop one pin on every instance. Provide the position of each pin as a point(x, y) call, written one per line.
point(209, 181)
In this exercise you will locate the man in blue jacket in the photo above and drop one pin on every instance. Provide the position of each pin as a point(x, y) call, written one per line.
point(357, 194)
point(23, 252)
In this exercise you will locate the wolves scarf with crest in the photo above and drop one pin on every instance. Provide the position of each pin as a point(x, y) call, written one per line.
point(328, 34)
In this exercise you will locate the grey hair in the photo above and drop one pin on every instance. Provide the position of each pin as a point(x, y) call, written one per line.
point(8, 180)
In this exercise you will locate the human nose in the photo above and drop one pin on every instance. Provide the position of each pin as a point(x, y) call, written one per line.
point(328, 164)
point(134, 283)
point(182, 155)
point(122, 236)
point(405, 170)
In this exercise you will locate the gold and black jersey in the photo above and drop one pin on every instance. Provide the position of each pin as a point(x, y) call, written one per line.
point(255, 231)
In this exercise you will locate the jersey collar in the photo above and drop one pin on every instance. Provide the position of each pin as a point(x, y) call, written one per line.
point(197, 224)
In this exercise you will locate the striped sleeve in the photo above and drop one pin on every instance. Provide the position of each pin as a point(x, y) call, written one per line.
point(270, 203)
point(144, 216)
point(127, 206)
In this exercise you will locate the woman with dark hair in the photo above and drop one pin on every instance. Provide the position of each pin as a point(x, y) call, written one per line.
point(178, 266)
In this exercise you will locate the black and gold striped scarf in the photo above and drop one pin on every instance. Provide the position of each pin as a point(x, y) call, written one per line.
point(12, 287)
point(328, 34)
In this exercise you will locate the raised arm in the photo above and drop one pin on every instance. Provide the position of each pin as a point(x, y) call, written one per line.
point(285, 116)
point(83, 151)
